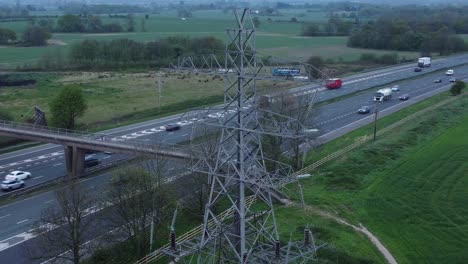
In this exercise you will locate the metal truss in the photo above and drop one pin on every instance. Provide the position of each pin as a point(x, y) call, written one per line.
point(237, 169)
point(211, 64)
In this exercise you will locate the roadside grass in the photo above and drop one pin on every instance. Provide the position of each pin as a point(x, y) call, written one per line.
point(114, 98)
point(408, 187)
point(343, 244)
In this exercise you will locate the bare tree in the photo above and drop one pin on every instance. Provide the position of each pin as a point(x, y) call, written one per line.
point(139, 197)
point(204, 146)
point(65, 226)
point(299, 108)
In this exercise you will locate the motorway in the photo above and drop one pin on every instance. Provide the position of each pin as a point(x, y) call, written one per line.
point(46, 161)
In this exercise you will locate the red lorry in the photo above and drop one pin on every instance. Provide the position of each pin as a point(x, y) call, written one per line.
point(333, 83)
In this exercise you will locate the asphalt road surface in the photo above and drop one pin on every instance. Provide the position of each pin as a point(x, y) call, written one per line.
point(46, 161)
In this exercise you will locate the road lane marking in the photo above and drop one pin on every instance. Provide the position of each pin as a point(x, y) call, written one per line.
point(20, 222)
point(1, 217)
point(38, 177)
point(172, 168)
point(106, 157)
point(58, 164)
point(50, 201)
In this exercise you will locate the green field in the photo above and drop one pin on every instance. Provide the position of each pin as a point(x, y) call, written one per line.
point(275, 37)
point(409, 187)
point(113, 97)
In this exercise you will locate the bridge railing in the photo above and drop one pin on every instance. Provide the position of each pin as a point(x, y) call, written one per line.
point(96, 138)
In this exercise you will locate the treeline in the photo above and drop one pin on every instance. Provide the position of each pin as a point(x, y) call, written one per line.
point(84, 24)
point(78, 8)
point(335, 26)
point(32, 36)
point(125, 53)
point(401, 35)
point(7, 36)
point(12, 12)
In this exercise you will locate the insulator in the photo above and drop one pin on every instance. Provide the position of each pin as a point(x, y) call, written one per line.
point(173, 240)
point(277, 249)
point(306, 237)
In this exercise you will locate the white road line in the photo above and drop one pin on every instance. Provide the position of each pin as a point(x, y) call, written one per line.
point(184, 135)
point(58, 164)
point(106, 157)
point(38, 177)
point(1, 217)
point(50, 201)
point(20, 222)
point(172, 168)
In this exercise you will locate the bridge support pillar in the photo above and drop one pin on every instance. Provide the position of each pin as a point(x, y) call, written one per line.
point(74, 158)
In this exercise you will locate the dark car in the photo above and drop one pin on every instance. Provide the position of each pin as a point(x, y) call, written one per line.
point(417, 69)
point(91, 161)
point(364, 110)
point(452, 80)
point(172, 127)
point(438, 80)
point(404, 97)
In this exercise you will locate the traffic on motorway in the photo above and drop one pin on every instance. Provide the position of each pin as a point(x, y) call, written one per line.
point(46, 162)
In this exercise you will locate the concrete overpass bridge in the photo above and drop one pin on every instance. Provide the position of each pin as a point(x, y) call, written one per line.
point(76, 143)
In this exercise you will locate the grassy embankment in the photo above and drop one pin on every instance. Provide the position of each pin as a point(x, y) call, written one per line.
point(349, 197)
point(408, 187)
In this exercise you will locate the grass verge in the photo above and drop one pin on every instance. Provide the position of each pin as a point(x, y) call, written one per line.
point(408, 187)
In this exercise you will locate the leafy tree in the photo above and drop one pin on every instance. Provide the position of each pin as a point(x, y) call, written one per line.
point(457, 87)
point(70, 23)
point(7, 36)
point(256, 22)
point(5, 115)
point(47, 23)
point(36, 36)
point(131, 23)
point(317, 64)
point(311, 29)
point(67, 106)
point(143, 25)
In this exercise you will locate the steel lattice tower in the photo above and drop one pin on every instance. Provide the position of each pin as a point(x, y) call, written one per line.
point(238, 174)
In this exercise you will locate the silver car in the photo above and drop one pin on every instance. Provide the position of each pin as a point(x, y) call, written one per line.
point(12, 184)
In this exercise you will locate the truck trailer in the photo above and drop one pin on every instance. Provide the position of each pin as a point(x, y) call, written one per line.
point(383, 95)
point(424, 62)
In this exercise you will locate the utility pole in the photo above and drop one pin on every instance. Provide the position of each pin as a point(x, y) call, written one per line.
point(375, 121)
point(159, 91)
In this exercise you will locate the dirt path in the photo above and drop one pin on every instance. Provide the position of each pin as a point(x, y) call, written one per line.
point(385, 252)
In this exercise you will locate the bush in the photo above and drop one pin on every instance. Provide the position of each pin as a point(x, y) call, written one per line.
point(5, 115)
point(457, 88)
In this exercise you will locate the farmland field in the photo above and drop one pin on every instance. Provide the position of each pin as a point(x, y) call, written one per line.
point(275, 37)
point(409, 187)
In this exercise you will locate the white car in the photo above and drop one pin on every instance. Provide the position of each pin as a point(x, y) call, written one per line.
point(20, 175)
point(449, 72)
point(395, 88)
point(12, 184)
